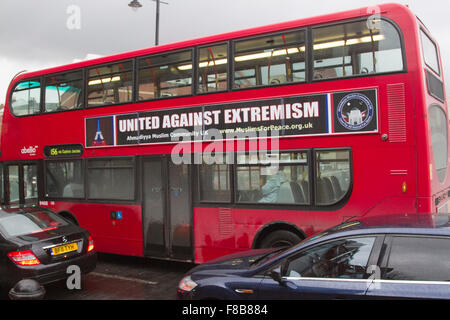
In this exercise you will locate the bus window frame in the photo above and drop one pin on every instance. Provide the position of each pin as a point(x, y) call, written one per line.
point(41, 96)
point(86, 199)
point(169, 52)
point(438, 58)
point(67, 199)
point(83, 92)
point(388, 20)
point(4, 167)
point(275, 204)
point(345, 197)
point(309, 68)
point(232, 52)
point(134, 167)
point(197, 69)
point(436, 169)
point(196, 185)
point(115, 62)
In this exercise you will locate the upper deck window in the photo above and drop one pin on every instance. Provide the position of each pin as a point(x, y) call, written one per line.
point(64, 91)
point(212, 68)
point(430, 53)
point(26, 98)
point(270, 60)
point(110, 84)
point(352, 49)
point(166, 75)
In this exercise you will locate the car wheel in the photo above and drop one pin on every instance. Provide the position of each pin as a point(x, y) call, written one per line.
point(280, 238)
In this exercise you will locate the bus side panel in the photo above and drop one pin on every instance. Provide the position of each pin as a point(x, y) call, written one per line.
point(116, 228)
point(219, 231)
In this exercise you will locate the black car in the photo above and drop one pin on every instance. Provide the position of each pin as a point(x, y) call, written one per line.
point(37, 244)
point(347, 262)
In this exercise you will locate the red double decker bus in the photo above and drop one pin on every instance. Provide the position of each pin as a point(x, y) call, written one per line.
point(248, 139)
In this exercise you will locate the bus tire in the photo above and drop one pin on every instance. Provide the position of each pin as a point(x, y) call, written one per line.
point(280, 238)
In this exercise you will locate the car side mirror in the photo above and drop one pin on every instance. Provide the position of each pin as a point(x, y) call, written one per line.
point(276, 276)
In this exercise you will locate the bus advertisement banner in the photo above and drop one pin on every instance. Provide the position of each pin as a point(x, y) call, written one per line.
point(321, 114)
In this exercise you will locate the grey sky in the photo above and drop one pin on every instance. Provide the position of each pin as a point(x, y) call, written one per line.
point(34, 34)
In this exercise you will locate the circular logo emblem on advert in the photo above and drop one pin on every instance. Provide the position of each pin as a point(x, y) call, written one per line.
point(355, 111)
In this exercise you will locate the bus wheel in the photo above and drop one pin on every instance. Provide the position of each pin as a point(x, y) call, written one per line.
point(280, 238)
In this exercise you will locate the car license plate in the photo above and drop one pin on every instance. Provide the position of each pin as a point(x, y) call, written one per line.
point(64, 248)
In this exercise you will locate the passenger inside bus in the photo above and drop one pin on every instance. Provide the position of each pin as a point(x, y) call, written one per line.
point(271, 188)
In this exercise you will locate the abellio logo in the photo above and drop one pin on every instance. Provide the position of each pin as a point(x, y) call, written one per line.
point(31, 150)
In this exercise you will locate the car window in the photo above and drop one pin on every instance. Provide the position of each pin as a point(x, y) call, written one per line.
point(418, 258)
point(344, 258)
point(14, 224)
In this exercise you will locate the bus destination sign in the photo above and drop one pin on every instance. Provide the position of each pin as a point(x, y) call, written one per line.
point(63, 150)
point(321, 114)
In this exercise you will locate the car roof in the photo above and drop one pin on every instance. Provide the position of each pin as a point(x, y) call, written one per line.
point(357, 229)
point(444, 231)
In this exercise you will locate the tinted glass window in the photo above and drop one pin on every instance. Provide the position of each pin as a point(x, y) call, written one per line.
point(278, 178)
point(111, 179)
point(355, 49)
point(215, 182)
point(110, 84)
point(270, 60)
point(212, 68)
point(2, 195)
point(430, 54)
point(346, 258)
point(26, 98)
point(63, 92)
point(435, 86)
point(439, 139)
point(167, 75)
point(13, 186)
point(421, 258)
point(13, 224)
point(64, 179)
point(332, 176)
point(30, 183)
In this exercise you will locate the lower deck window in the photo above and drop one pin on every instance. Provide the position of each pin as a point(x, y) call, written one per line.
point(64, 179)
point(30, 187)
point(13, 184)
point(332, 176)
point(439, 140)
point(111, 179)
point(282, 179)
point(215, 182)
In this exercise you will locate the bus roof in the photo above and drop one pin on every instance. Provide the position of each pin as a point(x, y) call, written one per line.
point(331, 17)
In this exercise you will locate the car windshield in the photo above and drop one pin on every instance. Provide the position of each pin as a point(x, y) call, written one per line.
point(268, 256)
point(17, 223)
point(273, 255)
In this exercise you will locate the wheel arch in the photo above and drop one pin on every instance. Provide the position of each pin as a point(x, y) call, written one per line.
point(69, 216)
point(273, 226)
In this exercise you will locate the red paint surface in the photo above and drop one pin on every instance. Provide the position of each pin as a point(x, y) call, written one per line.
point(375, 192)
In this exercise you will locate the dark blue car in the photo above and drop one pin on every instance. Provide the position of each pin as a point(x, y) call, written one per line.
point(346, 262)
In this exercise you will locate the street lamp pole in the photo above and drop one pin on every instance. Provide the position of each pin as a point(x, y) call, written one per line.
point(136, 5)
point(157, 24)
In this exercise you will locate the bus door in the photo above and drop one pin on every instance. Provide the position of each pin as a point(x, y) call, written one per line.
point(167, 209)
point(20, 184)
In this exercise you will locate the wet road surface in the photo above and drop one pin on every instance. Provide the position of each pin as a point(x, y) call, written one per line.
point(125, 278)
